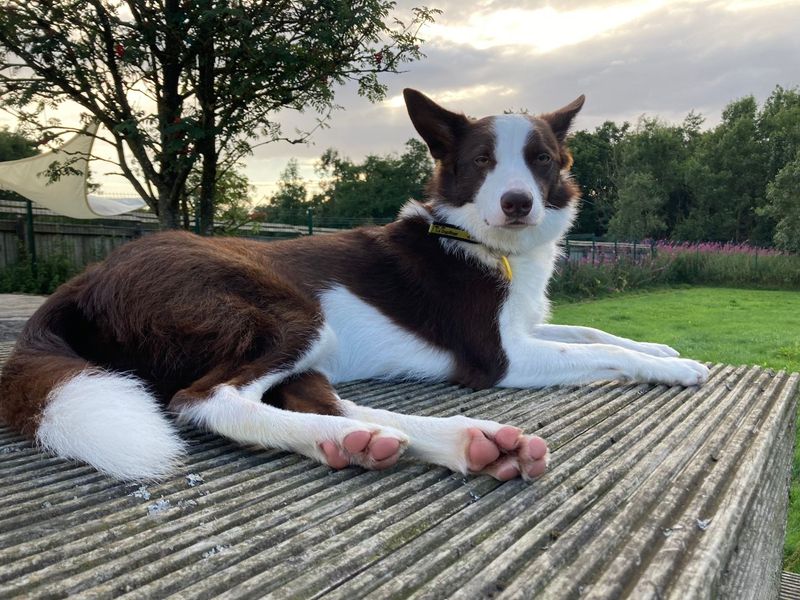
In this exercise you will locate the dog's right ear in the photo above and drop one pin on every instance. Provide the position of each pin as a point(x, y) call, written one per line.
point(438, 126)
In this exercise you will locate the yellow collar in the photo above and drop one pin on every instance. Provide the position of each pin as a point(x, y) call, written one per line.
point(446, 230)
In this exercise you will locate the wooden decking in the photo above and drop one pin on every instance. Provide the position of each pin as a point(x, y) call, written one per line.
point(653, 492)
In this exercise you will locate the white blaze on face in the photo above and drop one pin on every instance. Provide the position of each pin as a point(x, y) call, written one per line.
point(510, 173)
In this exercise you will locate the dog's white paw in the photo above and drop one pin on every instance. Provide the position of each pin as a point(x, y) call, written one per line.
point(660, 350)
point(678, 371)
point(368, 446)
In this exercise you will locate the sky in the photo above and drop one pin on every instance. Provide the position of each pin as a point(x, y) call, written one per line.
point(630, 57)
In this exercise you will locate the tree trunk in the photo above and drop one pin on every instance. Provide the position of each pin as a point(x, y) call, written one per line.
point(206, 97)
point(168, 208)
point(169, 113)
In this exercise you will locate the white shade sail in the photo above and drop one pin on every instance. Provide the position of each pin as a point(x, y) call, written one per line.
point(68, 195)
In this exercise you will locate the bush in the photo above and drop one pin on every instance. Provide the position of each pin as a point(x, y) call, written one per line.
point(43, 278)
point(699, 264)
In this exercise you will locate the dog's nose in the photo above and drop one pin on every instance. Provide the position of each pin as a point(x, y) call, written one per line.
point(516, 203)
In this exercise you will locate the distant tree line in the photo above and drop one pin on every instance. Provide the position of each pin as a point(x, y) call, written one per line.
point(372, 190)
point(738, 181)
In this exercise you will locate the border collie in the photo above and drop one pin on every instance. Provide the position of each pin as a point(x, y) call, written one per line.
point(246, 339)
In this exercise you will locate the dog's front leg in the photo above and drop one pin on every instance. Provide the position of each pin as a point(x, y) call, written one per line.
point(588, 335)
point(534, 362)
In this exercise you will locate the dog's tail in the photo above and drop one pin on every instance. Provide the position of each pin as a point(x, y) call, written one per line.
point(78, 410)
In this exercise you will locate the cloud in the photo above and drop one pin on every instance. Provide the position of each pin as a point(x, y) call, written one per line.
point(541, 30)
point(457, 95)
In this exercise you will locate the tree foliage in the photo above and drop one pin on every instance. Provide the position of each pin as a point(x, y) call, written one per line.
point(350, 192)
point(377, 187)
point(730, 182)
point(783, 194)
point(233, 198)
point(13, 146)
point(290, 203)
point(181, 85)
point(594, 154)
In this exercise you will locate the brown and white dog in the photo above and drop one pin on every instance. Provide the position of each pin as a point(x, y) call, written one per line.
point(246, 338)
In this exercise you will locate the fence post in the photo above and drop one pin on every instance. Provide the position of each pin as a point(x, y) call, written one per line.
point(652, 248)
point(616, 253)
point(29, 232)
point(310, 218)
point(594, 250)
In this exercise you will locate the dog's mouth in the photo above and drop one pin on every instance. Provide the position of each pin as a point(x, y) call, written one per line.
point(511, 223)
point(516, 224)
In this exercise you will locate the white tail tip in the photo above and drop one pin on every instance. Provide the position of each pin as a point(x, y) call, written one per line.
point(113, 423)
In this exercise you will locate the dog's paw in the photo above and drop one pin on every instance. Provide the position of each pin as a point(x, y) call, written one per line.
point(678, 371)
point(371, 448)
point(506, 453)
point(653, 349)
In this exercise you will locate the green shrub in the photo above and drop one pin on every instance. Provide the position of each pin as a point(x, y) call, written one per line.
point(579, 280)
point(43, 278)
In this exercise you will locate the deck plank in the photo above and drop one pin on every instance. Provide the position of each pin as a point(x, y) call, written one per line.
point(653, 492)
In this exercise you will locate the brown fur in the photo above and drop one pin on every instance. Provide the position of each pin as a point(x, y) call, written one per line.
point(307, 392)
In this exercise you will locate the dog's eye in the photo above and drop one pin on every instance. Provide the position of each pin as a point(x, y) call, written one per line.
point(482, 160)
point(544, 158)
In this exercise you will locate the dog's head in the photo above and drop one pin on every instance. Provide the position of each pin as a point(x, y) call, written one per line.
point(505, 179)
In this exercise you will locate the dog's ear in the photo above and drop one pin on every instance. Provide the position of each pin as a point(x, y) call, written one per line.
point(438, 126)
point(561, 120)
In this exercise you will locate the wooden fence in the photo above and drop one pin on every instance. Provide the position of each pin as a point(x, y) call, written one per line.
point(83, 242)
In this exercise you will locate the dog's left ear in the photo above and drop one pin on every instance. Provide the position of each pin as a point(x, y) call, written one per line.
point(561, 120)
point(438, 126)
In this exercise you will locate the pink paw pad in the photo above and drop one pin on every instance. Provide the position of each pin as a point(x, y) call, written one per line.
point(537, 448)
point(335, 458)
point(506, 454)
point(362, 448)
point(506, 471)
point(508, 438)
point(356, 442)
point(384, 448)
point(481, 451)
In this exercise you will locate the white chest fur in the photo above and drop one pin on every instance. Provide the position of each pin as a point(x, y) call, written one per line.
point(526, 304)
point(370, 345)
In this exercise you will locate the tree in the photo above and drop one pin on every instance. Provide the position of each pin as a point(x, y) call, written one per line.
point(728, 175)
point(14, 146)
point(289, 204)
point(233, 198)
point(594, 155)
point(639, 209)
point(179, 83)
point(376, 188)
point(659, 150)
point(784, 205)
point(779, 128)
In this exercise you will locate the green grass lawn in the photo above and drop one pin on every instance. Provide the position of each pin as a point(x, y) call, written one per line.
point(710, 324)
